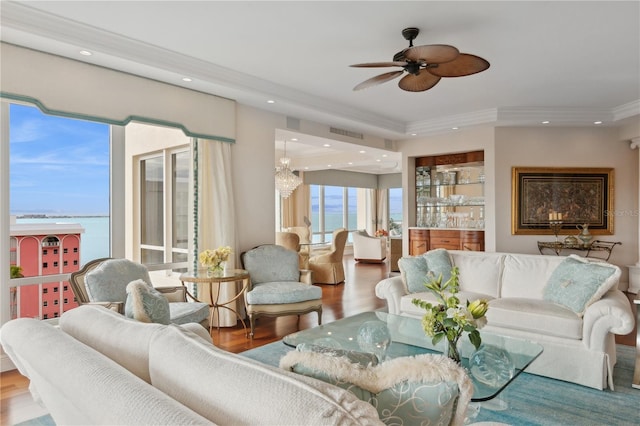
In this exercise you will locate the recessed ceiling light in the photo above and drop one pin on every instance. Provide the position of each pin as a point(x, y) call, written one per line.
point(187, 79)
point(294, 139)
point(597, 122)
point(454, 128)
point(271, 101)
point(85, 53)
point(378, 160)
point(384, 155)
point(327, 145)
point(328, 165)
point(350, 163)
point(546, 122)
point(306, 168)
point(362, 151)
point(414, 134)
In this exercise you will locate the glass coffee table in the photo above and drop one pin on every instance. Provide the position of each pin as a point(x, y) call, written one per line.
point(405, 337)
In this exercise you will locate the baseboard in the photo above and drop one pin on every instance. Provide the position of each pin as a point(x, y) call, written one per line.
point(6, 364)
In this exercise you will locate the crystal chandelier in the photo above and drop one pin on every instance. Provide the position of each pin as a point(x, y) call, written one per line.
point(286, 180)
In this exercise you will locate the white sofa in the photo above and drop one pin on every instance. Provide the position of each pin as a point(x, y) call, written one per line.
point(99, 367)
point(577, 348)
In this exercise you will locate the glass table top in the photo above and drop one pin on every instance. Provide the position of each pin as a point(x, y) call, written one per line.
point(407, 338)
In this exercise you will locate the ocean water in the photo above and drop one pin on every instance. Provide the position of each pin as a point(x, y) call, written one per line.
point(94, 242)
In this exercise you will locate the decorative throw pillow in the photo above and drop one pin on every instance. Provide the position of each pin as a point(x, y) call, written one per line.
point(146, 304)
point(413, 270)
point(439, 262)
point(576, 283)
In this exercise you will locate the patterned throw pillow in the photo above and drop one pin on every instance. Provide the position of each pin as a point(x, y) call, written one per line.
point(146, 304)
point(576, 283)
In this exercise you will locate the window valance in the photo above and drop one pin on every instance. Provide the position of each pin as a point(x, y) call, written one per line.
point(70, 88)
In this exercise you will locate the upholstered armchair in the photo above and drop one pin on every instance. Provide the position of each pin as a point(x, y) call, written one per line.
point(421, 389)
point(104, 282)
point(277, 286)
point(327, 266)
point(304, 232)
point(289, 240)
point(368, 249)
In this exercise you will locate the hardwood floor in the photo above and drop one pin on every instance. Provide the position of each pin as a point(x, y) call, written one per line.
point(354, 296)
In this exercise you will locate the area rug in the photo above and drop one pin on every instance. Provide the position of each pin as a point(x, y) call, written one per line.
point(535, 400)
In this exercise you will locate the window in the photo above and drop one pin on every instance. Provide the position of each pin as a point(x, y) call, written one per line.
point(55, 302)
point(65, 263)
point(75, 262)
point(65, 250)
point(45, 265)
point(45, 290)
point(45, 303)
point(65, 301)
point(65, 288)
point(75, 249)
point(55, 264)
point(55, 289)
point(55, 251)
point(46, 316)
point(164, 199)
point(395, 211)
point(332, 207)
point(45, 252)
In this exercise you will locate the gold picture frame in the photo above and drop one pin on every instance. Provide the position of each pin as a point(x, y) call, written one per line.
point(576, 195)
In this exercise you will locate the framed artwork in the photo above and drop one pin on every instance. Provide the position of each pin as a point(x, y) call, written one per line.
point(574, 196)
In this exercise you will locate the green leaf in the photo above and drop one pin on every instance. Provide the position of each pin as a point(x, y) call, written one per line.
point(475, 338)
point(437, 338)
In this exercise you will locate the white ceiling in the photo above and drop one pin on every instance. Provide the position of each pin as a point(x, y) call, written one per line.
point(569, 62)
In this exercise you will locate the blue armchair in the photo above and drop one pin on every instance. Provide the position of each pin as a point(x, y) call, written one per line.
point(277, 286)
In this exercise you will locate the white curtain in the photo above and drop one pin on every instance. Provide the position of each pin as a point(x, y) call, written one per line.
point(216, 218)
point(377, 210)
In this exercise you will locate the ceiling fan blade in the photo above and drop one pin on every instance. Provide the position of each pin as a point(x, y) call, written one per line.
point(379, 79)
point(465, 64)
point(418, 83)
point(432, 53)
point(379, 64)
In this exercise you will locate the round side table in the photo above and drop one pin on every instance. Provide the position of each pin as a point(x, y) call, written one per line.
point(229, 275)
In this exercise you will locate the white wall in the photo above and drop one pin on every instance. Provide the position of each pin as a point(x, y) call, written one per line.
point(569, 147)
point(506, 147)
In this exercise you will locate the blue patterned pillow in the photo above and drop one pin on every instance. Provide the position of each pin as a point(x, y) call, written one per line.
point(413, 270)
point(146, 304)
point(439, 262)
point(576, 283)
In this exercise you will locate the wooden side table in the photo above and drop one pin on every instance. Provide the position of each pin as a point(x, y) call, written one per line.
point(636, 374)
point(230, 275)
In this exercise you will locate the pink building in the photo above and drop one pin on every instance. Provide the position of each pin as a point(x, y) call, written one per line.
point(44, 249)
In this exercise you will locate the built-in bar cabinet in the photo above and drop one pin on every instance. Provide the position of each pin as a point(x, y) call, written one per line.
point(449, 203)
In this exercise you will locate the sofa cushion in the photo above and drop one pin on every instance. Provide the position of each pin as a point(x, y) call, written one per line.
point(108, 281)
point(146, 304)
point(526, 275)
point(576, 283)
point(275, 293)
point(229, 389)
point(479, 271)
point(413, 270)
point(124, 340)
point(534, 315)
point(406, 306)
point(439, 263)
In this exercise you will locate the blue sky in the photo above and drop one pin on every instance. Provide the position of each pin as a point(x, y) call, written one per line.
point(59, 166)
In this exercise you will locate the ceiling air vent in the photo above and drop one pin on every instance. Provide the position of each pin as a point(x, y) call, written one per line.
point(349, 133)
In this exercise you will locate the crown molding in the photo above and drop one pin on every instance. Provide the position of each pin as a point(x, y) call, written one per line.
point(627, 110)
point(215, 79)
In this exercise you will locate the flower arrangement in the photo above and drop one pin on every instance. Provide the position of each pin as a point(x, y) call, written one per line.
point(213, 259)
point(381, 233)
point(449, 318)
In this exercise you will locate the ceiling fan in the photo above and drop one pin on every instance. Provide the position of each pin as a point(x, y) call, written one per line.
point(425, 65)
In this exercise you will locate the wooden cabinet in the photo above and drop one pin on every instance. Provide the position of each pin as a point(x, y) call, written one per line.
point(418, 241)
point(423, 240)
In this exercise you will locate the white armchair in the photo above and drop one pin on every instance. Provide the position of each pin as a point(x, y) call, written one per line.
point(367, 248)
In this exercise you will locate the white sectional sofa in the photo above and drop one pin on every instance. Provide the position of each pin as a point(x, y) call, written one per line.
point(524, 291)
point(99, 367)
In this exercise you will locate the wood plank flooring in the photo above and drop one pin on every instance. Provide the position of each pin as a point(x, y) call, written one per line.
point(354, 296)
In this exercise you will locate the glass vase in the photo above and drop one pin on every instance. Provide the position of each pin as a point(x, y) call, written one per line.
point(216, 270)
point(453, 351)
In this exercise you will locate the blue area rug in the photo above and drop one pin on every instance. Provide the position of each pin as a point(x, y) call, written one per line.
point(536, 400)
